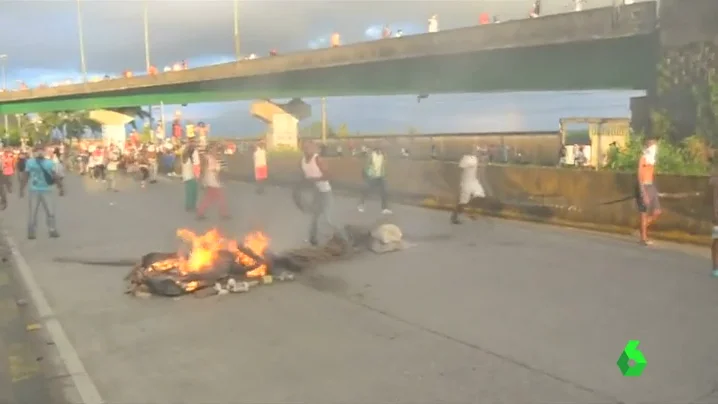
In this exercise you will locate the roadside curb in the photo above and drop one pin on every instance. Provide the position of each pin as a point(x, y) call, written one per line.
point(74, 368)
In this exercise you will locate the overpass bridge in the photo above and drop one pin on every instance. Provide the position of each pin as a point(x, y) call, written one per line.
point(603, 48)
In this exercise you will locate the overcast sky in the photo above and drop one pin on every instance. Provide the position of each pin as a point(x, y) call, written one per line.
point(43, 34)
point(41, 38)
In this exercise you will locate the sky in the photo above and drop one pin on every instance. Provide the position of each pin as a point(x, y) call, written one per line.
point(43, 46)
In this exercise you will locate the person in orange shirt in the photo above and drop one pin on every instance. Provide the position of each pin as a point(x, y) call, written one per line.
point(647, 193)
point(336, 40)
point(8, 169)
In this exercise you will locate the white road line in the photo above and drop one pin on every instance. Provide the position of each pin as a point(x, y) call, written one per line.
point(74, 366)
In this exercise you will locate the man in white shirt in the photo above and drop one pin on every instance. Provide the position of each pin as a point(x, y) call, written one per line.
point(470, 187)
point(315, 171)
point(433, 24)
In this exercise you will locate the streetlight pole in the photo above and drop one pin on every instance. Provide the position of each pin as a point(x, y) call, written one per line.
point(3, 58)
point(146, 20)
point(83, 64)
point(236, 29)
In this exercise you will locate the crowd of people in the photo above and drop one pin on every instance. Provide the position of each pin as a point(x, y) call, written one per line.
point(41, 168)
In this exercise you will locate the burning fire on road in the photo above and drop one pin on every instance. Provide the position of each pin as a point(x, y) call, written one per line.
point(207, 264)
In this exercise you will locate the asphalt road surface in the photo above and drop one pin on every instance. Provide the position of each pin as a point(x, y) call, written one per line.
point(490, 311)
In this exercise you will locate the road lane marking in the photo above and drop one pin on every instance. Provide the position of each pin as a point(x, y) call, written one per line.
point(23, 365)
point(73, 364)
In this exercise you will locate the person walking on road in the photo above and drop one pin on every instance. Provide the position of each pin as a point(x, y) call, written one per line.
point(374, 176)
point(647, 193)
point(41, 173)
point(469, 187)
point(190, 173)
point(8, 169)
point(213, 192)
point(260, 167)
point(315, 171)
point(113, 163)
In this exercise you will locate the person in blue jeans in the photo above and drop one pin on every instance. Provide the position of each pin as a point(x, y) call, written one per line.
point(40, 173)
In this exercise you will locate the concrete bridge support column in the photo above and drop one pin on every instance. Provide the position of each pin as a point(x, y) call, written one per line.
point(680, 104)
point(282, 121)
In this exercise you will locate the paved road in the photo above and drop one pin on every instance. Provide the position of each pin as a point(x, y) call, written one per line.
point(492, 311)
point(29, 372)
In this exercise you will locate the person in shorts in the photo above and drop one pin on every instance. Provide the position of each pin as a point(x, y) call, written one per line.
point(646, 193)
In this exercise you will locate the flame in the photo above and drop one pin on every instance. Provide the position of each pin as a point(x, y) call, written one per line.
point(256, 242)
point(204, 252)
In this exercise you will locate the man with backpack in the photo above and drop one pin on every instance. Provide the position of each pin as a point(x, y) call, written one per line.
point(40, 172)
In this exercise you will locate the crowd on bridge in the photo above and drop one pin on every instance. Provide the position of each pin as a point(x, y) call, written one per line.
point(334, 41)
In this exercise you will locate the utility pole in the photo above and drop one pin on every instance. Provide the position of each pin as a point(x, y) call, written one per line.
point(148, 64)
point(3, 59)
point(83, 64)
point(145, 19)
point(324, 120)
point(236, 30)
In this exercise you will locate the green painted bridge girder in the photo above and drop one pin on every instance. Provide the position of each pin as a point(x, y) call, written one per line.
point(618, 63)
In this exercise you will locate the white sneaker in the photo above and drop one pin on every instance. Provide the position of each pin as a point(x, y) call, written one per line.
point(360, 208)
point(386, 212)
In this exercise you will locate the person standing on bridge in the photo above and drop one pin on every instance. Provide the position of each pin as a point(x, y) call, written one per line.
point(433, 24)
point(469, 187)
point(40, 172)
point(578, 5)
point(536, 9)
point(647, 193)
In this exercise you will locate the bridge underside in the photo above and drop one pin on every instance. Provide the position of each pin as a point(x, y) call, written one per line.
point(622, 63)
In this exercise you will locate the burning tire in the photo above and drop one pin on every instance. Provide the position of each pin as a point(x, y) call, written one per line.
point(210, 262)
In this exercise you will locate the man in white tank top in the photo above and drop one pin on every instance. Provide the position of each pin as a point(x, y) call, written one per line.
point(469, 187)
point(315, 170)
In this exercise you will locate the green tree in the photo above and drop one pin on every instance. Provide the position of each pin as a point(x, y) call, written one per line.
point(136, 112)
point(688, 158)
point(314, 131)
point(343, 131)
point(412, 131)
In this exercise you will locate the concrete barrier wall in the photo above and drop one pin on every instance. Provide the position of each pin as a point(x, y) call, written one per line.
point(539, 148)
point(600, 200)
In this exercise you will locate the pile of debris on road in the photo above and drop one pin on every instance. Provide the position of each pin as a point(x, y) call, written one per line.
point(214, 265)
